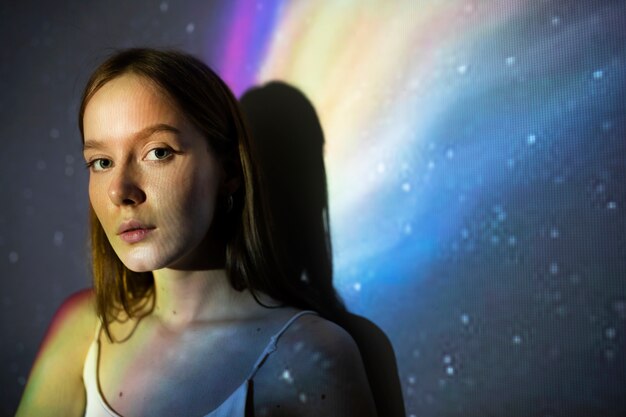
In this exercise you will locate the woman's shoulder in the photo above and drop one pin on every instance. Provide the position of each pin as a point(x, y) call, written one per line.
point(61, 358)
point(76, 316)
point(74, 321)
point(82, 300)
point(322, 372)
point(72, 328)
point(321, 334)
point(307, 330)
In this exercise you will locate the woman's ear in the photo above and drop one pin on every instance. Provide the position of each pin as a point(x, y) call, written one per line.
point(231, 185)
point(231, 167)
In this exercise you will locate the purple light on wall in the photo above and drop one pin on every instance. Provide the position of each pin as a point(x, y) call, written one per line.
point(252, 25)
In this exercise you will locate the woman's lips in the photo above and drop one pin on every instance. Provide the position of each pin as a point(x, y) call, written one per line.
point(135, 235)
point(133, 231)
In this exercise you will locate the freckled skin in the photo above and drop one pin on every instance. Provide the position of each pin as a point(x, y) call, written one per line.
point(176, 194)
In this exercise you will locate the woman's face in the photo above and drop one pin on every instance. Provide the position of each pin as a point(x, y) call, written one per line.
point(153, 181)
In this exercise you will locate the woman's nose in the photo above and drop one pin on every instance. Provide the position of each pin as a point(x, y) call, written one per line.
point(124, 189)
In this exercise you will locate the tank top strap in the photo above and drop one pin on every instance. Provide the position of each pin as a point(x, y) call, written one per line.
point(271, 346)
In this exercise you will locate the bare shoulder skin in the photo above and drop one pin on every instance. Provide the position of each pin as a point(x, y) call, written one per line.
point(55, 385)
point(316, 371)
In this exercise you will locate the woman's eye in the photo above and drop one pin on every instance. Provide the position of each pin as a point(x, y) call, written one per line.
point(99, 164)
point(159, 154)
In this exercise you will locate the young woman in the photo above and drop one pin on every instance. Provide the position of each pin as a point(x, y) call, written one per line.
point(191, 313)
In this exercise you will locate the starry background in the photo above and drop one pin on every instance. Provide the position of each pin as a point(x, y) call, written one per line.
point(476, 157)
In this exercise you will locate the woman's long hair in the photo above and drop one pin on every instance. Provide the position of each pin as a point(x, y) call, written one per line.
point(252, 255)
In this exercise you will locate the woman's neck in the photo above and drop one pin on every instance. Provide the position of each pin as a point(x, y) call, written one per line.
point(185, 298)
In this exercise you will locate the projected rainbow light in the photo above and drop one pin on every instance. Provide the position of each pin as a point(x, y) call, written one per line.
point(384, 77)
point(475, 160)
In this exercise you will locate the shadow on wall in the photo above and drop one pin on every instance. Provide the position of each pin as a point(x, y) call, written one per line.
point(285, 125)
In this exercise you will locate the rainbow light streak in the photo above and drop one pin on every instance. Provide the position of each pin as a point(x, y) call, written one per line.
point(380, 75)
point(252, 25)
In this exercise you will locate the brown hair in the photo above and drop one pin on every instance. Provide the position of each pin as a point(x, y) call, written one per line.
point(251, 253)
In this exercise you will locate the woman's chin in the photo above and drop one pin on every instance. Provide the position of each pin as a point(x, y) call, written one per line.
point(138, 269)
point(138, 266)
point(141, 262)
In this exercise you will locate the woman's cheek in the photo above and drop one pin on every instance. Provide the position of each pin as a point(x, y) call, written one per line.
point(97, 198)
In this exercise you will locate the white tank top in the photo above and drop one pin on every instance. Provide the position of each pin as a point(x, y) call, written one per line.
point(233, 406)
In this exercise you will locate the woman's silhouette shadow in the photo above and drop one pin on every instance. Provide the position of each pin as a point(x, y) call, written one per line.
point(290, 141)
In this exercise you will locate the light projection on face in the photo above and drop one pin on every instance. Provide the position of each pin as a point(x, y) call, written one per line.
point(153, 182)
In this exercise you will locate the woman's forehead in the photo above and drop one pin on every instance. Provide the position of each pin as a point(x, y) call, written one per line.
point(129, 101)
point(131, 86)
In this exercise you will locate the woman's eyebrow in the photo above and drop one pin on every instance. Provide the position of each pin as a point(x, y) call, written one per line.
point(142, 134)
